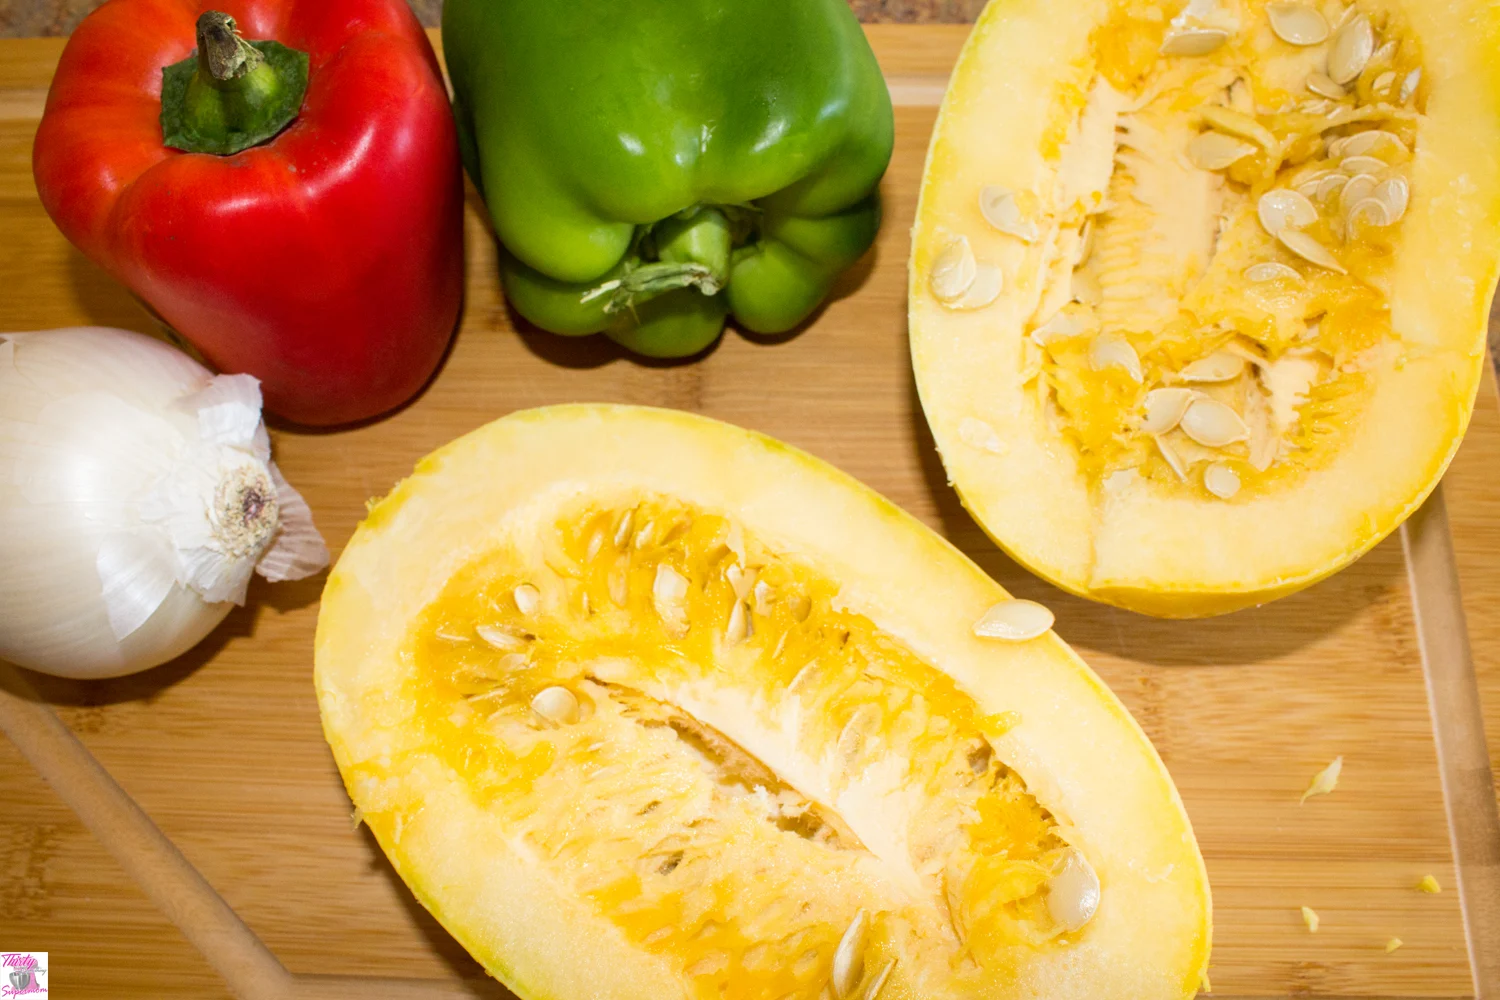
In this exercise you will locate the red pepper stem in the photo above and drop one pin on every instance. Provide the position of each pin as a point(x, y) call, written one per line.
point(222, 53)
point(232, 94)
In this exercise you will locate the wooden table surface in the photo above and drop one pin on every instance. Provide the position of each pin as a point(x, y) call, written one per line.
point(223, 747)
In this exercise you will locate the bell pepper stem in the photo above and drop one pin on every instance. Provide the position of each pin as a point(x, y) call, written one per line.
point(693, 250)
point(222, 53)
point(230, 94)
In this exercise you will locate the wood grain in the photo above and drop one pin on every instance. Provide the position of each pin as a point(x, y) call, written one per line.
point(223, 749)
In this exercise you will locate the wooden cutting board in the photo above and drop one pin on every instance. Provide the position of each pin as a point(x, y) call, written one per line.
point(223, 748)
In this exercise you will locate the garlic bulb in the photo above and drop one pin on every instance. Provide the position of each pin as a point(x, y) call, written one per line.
point(137, 496)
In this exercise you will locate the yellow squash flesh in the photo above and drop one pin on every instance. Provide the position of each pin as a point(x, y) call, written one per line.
point(1131, 206)
point(643, 705)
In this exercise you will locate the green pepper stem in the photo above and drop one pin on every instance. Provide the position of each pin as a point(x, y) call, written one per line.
point(231, 94)
point(693, 248)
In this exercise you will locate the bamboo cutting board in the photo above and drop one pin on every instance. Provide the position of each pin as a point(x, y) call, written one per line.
point(223, 747)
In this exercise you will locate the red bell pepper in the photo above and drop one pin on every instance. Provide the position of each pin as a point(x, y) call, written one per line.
point(326, 257)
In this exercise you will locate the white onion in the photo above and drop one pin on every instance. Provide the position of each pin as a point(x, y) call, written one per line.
point(137, 496)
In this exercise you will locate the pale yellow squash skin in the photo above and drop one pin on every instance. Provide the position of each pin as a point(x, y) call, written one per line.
point(1179, 555)
point(1076, 747)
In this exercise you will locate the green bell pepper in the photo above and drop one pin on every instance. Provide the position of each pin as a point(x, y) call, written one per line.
point(653, 166)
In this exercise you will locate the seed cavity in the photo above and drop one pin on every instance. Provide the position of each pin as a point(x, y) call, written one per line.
point(1213, 424)
point(1073, 894)
point(999, 207)
point(528, 599)
point(1220, 480)
point(1115, 352)
point(1014, 620)
point(1350, 51)
point(1297, 23)
point(556, 704)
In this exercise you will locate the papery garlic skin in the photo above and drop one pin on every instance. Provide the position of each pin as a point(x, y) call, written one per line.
point(137, 496)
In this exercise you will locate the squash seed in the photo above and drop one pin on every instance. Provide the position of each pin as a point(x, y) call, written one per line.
point(984, 289)
point(1324, 86)
point(1213, 424)
point(1359, 187)
point(1394, 192)
point(1310, 250)
point(1086, 288)
point(1059, 327)
point(1282, 207)
point(1297, 23)
point(1238, 123)
point(668, 592)
point(1350, 52)
point(1216, 151)
point(1369, 211)
point(849, 957)
point(998, 206)
point(1367, 143)
point(499, 638)
point(1272, 270)
point(556, 704)
point(1115, 352)
point(1169, 454)
point(739, 623)
point(528, 599)
point(1014, 620)
point(1164, 409)
point(872, 991)
point(1220, 366)
point(1073, 893)
point(1330, 186)
point(978, 434)
point(953, 271)
point(1356, 165)
point(1409, 85)
point(761, 596)
point(1220, 480)
point(1193, 41)
point(1383, 82)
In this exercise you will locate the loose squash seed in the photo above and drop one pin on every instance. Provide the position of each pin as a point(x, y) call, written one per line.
point(1015, 620)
